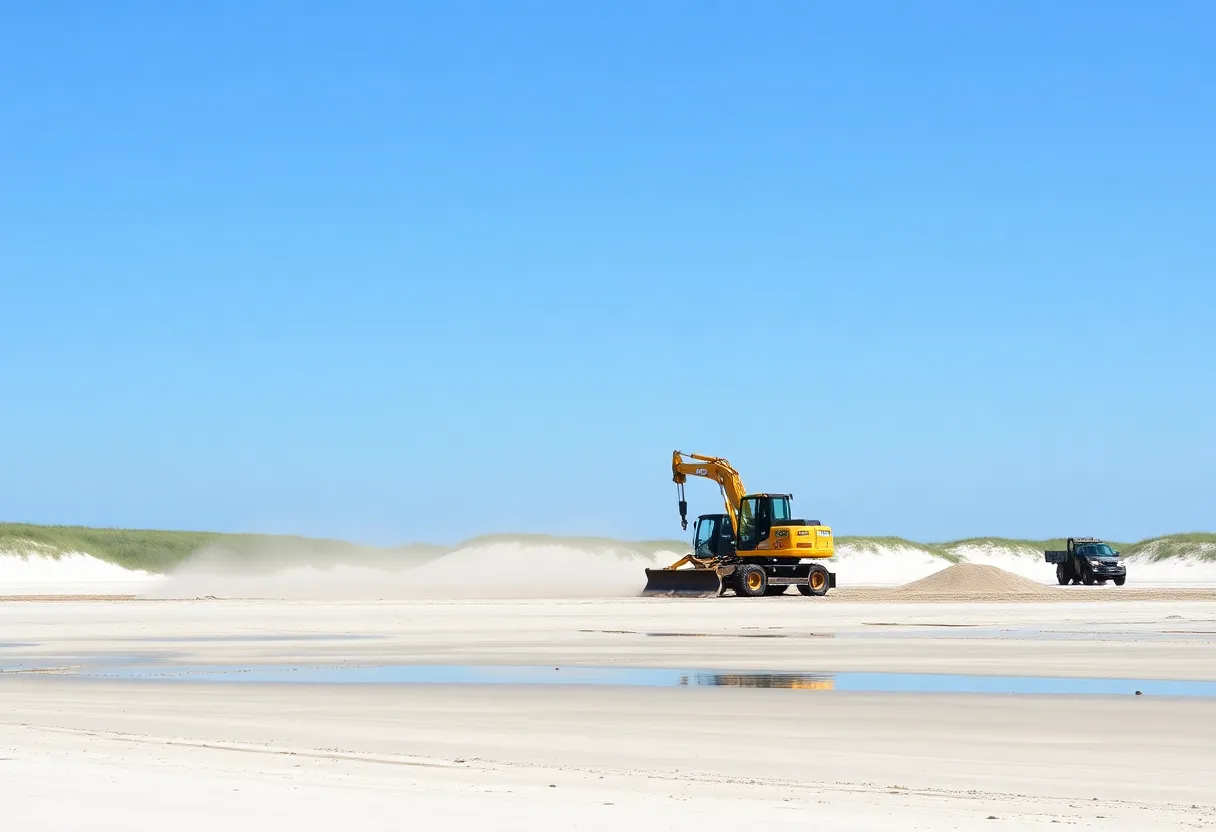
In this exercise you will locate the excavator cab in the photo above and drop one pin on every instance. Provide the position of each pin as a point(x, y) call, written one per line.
point(760, 514)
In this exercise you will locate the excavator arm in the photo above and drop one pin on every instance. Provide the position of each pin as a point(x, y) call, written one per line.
point(714, 468)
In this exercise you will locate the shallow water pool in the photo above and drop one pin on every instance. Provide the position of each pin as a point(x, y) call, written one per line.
point(653, 677)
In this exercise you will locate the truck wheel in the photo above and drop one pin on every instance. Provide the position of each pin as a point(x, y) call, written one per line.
point(1061, 575)
point(1088, 578)
point(816, 581)
point(750, 581)
point(1119, 581)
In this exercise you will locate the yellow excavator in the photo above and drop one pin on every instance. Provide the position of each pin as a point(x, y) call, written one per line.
point(756, 548)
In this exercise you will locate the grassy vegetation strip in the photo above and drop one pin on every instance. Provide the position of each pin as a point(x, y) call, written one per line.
point(160, 551)
point(1194, 545)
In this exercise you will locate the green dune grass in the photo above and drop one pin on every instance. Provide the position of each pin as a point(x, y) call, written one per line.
point(161, 551)
point(1194, 545)
point(881, 544)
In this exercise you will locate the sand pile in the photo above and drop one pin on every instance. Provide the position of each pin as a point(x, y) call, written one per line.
point(960, 583)
point(973, 579)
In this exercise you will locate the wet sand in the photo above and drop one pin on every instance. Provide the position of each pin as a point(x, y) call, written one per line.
point(187, 754)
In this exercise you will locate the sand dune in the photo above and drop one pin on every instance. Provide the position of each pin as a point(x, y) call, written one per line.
point(504, 568)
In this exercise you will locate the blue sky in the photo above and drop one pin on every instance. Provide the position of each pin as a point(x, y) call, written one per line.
point(418, 271)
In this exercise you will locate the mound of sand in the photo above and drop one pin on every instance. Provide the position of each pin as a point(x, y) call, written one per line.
point(973, 579)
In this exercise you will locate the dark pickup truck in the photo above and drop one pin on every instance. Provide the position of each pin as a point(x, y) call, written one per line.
point(1087, 560)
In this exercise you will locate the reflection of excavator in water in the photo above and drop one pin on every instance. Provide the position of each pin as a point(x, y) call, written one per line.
point(790, 681)
point(756, 548)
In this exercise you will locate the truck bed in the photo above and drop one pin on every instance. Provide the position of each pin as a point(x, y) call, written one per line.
point(1056, 556)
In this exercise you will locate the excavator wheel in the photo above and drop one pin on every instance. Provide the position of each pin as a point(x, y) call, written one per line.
point(750, 581)
point(817, 581)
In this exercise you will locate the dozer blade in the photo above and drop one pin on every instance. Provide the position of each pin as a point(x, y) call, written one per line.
point(691, 583)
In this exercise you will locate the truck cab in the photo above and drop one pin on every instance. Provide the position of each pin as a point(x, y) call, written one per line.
point(1087, 560)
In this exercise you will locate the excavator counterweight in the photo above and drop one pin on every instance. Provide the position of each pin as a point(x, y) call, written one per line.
point(755, 548)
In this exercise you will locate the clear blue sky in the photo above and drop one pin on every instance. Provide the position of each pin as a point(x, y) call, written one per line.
point(418, 271)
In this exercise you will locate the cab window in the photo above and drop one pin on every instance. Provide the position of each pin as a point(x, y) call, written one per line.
point(747, 520)
point(781, 510)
